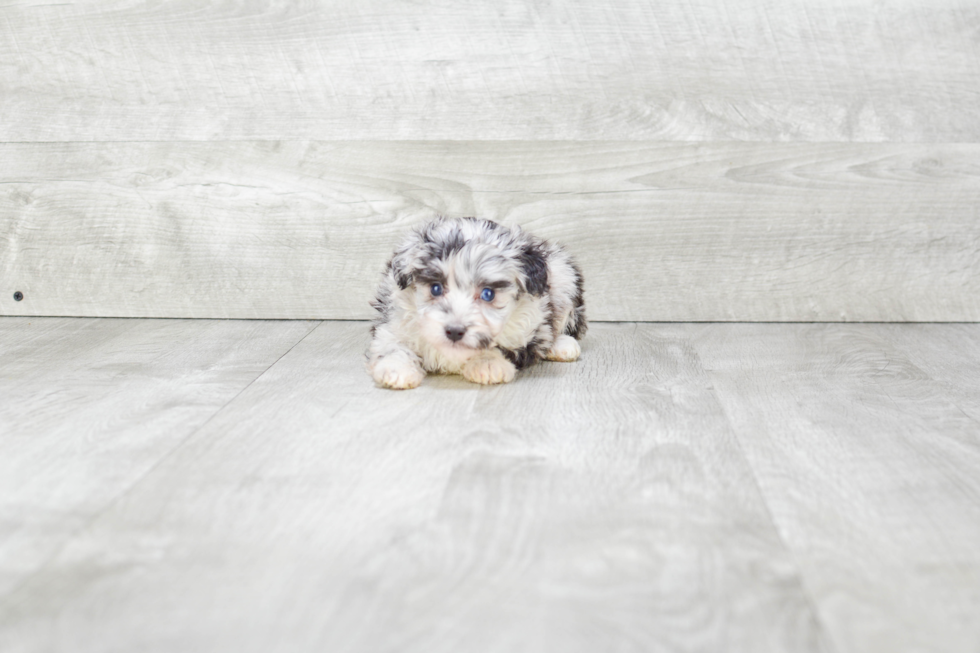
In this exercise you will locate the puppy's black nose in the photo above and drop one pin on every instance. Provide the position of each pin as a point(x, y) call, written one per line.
point(455, 333)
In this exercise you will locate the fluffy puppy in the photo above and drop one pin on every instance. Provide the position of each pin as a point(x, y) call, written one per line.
point(472, 297)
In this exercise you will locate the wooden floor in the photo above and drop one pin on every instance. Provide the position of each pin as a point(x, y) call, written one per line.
point(170, 485)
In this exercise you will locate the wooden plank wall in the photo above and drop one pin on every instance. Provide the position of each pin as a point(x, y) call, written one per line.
point(722, 160)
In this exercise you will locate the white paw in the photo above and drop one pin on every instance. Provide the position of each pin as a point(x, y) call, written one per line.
point(397, 374)
point(565, 350)
point(487, 370)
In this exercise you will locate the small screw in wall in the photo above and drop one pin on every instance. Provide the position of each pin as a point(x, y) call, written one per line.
point(18, 296)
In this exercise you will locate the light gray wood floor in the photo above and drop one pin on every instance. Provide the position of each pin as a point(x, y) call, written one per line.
point(172, 485)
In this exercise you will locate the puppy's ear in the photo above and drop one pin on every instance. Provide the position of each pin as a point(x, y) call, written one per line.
point(404, 263)
point(403, 280)
point(534, 267)
point(400, 269)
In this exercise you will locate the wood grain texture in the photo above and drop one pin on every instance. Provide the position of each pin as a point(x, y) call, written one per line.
point(602, 505)
point(87, 407)
point(846, 70)
point(949, 354)
point(736, 231)
point(870, 467)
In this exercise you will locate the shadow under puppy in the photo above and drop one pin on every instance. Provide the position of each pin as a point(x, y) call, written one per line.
point(473, 297)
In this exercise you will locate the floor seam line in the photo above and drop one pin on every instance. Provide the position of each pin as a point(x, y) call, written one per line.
point(804, 588)
point(8, 596)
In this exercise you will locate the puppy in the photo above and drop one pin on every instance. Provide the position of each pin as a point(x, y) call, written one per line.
point(472, 297)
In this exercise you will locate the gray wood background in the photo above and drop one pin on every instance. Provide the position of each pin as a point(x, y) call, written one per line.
point(721, 160)
point(682, 488)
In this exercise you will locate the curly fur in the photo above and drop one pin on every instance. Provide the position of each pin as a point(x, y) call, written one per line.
point(537, 311)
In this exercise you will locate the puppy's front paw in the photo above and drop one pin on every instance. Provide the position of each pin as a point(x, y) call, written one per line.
point(397, 374)
point(489, 369)
point(565, 350)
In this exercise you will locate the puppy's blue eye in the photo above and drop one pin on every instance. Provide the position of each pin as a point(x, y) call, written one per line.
point(487, 294)
point(436, 289)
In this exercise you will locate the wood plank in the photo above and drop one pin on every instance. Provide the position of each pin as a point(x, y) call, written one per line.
point(949, 354)
point(666, 232)
point(87, 407)
point(602, 505)
point(733, 70)
point(872, 474)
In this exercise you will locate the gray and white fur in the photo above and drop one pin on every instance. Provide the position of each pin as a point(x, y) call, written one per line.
point(473, 297)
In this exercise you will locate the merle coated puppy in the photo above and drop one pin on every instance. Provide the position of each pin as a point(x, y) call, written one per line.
point(473, 297)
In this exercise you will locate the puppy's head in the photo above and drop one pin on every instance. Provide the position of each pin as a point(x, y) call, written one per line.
point(464, 278)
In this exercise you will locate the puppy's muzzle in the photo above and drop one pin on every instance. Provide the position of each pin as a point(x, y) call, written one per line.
point(455, 333)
